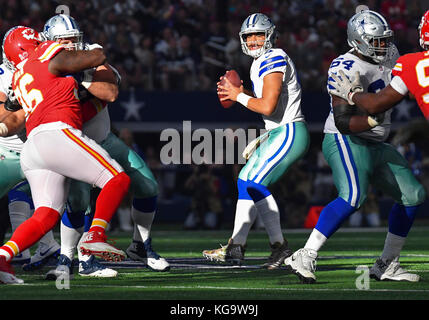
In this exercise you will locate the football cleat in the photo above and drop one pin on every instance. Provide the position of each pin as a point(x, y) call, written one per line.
point(7, 275)
point(303, 264)
point(64, 268)
point(142, 251)
point(279, 252)
point(22, 258)
point(233, 253)
point(95, 244)
point(42, 256)
point(391, 270)
point(93, 268)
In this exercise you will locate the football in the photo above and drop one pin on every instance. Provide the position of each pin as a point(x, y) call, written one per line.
point(232, 76)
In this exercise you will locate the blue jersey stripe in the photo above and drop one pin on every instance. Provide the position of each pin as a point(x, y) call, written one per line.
point(352, 160)
point(345, 168)
point(286, 153)
point(272, 66)
point(274, 155)
point(271, 60)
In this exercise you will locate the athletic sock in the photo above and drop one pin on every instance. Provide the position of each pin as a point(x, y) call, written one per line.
point(143, 213)
point(333, 215)
point(245, 215)
point(270, 215)
point(108, 201)
point(30, 231)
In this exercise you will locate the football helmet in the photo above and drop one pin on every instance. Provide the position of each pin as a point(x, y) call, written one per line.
point(424, 31)
point(257, 23)
point(18, 43)
point(370, 35)
point(63, 26)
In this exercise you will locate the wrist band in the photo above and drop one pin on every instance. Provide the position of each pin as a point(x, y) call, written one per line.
point(3, 129)
point(243, 98)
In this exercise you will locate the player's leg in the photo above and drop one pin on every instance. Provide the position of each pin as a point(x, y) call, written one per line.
point(273, 163)
point(20, 201)
point(349, 159)
point(144, 190)
point(49, 193)
point(90, 163)
point(393, 175)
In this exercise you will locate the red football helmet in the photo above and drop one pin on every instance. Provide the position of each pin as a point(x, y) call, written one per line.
point(424, 31)
point(18, 43)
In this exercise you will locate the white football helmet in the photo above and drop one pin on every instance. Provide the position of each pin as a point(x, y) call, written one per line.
point(257, 23)
point(63, 26)
point(366, 31)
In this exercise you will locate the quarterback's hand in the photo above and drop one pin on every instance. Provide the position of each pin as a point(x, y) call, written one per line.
point(228, 90)
point(344, 88)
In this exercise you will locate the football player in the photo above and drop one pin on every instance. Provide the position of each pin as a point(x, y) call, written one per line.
point(64, 29)
point(409, 76)
point(13, 181)
point(355, 150)
point(277, 97)
point(54, 118)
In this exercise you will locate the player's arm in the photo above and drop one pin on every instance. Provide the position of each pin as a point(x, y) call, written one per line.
point(104, 83)
point(13, 123)
point(69, 61)
point(378, 102)
point(349, 119)
point(3, 112)
point(265, 105)
point(373, 103)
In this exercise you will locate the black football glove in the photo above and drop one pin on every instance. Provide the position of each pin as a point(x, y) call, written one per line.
point(12, 105)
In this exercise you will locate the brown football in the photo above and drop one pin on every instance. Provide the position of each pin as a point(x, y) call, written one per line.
point(232, 76)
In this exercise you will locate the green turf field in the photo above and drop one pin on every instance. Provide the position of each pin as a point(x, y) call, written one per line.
point(193, 278)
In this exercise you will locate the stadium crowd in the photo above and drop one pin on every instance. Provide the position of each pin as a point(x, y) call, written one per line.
point(185, 44)
point(155, 43)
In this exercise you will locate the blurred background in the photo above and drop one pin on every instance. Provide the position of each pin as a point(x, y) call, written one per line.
point(171, 53)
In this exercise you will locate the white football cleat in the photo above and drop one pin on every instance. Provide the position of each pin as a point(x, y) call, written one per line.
point(7, 275)
point(303, 264)
point(42, 256)
point(22, 257)
point(142, 251)
point(391, 270)
point(93, 268)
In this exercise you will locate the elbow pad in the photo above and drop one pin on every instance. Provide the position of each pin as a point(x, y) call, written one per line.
point(342, 116)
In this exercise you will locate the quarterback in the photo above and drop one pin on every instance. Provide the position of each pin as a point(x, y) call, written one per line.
point(355, 150)
point(277, 97)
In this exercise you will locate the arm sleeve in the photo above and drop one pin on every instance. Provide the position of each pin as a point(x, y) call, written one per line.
point(399, 85)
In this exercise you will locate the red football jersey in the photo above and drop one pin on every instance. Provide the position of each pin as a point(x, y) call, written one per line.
point(91, 107)
point(45, 97)
point(413, 69)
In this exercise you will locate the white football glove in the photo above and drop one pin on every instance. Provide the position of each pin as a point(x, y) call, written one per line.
point(344, 88)
point(88, 46)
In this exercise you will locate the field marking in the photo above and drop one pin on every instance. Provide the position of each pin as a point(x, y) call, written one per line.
point(231, 288)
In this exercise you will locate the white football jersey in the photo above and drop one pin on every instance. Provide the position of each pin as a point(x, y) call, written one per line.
point(373, 78)
point(289, 105)
point(14, 142)
point(98, 127)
